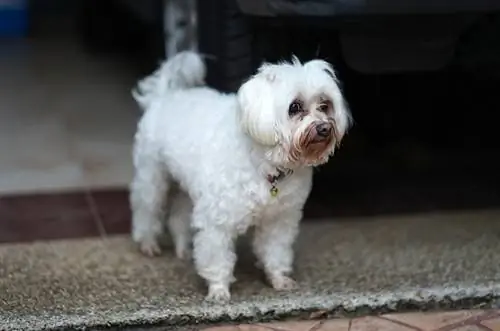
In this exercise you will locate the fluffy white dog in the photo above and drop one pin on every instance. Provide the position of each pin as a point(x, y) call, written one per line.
point(217, 164)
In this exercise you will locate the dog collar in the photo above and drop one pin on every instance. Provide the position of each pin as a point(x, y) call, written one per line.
point(275, 179)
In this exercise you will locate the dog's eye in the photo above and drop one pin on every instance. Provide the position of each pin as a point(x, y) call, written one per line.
point(324, 107)
point(295, 108)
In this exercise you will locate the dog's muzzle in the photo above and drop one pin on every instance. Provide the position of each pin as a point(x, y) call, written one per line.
point(323, 132)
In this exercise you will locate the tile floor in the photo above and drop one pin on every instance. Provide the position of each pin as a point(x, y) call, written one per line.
point(465, 320)
point(63, 215)
point(66, 117)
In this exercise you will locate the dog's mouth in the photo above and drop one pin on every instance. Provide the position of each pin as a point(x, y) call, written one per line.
point(317, 140)
point(322, 133)
point(315, 144)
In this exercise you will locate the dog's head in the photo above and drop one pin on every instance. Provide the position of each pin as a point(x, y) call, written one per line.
point(296, 110)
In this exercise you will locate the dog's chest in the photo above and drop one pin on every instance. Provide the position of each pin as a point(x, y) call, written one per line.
point(272, 198)
point(261, 200)
point(262, 206)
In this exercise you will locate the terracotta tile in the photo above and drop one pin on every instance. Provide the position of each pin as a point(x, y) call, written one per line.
point(493, 324)
point(114, 210)
point(334, 325)
point(432, 321)
point(378, 324)
point(256, 327)
point(329, 325)
point(452, 321)
point(223, 328)
point(293, 325)
point(45, 216)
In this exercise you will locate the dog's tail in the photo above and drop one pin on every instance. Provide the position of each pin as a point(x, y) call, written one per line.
point(184, 70)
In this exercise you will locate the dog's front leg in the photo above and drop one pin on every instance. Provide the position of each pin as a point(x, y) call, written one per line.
point(214, 256)
point(273, 246)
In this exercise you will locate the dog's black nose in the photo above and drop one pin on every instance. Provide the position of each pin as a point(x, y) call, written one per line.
point(324, 129)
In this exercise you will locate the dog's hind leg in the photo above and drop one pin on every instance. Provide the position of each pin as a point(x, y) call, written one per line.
point(148, 193)
point(179, 222)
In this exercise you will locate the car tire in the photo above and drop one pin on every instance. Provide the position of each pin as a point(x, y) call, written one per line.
point(225, 37)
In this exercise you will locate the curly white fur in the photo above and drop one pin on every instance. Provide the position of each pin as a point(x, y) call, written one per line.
point(202, 160)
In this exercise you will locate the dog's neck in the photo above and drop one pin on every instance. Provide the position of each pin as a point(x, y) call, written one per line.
point(267, 163)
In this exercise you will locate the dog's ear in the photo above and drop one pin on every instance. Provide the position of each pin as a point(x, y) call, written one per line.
point(257, 113)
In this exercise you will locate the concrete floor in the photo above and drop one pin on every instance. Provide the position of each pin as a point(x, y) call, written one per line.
point(67, 118)
point(348, 266)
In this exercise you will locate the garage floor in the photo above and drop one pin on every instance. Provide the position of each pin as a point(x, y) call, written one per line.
point(67, 118)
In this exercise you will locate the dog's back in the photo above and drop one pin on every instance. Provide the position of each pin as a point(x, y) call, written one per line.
point(180, 110)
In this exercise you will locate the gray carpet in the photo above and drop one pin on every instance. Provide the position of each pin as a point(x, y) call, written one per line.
point(364, 265)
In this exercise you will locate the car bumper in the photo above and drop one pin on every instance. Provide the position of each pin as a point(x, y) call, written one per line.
point(328, 8)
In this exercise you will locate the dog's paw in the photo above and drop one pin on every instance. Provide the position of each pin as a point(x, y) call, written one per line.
point(183, 253)
point(283, 283)
point(150, 247)
point(218, 294)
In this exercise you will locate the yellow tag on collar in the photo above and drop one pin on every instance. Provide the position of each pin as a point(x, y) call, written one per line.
point(274, 191)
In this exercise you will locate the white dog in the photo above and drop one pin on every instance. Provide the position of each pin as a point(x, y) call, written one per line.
point(217, 164)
